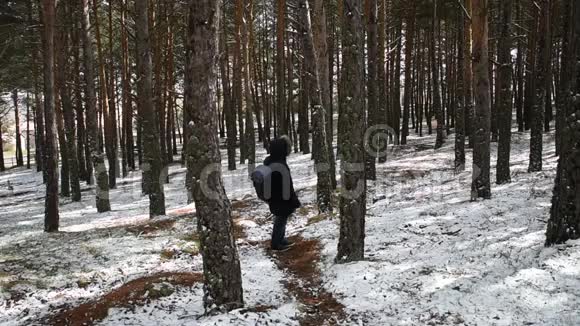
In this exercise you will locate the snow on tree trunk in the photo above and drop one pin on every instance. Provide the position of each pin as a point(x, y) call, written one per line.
point(153, 177)
point(51, 214)
point(222, 281)
point(97, 158)
point(351, 121)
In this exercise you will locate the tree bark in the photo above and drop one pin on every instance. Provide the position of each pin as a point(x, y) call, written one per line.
point(564, 222)
point(19, 156)
point(66, 103)
point(408, 91)
point(541, 77)
point(222, 282)
point(351, 119)
point(372, 149)
point(153, 177)
point(481, 187)
point(51, 211)
point(460, 109)
point(437, 106)
point(504, 103)
point(97, 157)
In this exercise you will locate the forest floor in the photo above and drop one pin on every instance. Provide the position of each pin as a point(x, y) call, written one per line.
point(433, 257)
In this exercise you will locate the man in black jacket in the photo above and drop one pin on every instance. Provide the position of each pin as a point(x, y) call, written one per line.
point(283, 201)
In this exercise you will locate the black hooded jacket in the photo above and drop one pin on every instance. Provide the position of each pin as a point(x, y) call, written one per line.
point(283, 200)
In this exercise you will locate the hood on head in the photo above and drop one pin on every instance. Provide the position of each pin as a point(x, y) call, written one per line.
point(280, 148)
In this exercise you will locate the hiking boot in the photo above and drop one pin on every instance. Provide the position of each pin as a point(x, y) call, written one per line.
point(281, 248)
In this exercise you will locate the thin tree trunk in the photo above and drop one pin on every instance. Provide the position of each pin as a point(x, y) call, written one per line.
point(320, 38)
point(153, 177)
point(504, 103)
point(97, 157)
point(481, 187)
point(66, 103)
point(460, 109)
point(408, 91)
point(19, 156)
point(51, 212)
point(321, 159)
point(437, 107)
point(541, 77)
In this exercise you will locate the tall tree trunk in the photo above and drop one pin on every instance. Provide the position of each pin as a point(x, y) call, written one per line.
point(504, 103)
point(282, 125)
point(66, 103)
point(153, 177)
point(468, 78)
point(97, 157)
point(111, 89)
point(127, 93)
point(481, 187)
point(105, 101)
point(39, 112)
point(2, 166)
point(28, 147)
point(221, 264)
point(437, 107)
point(18, 135)
point(51, 213)
point(229, 107)
point(320, 38)
point(353, 199)
point(541, 77)
point(519, 101)
point(460, 109)
point(250, 136)
point(321, 159)
point(238, 85)
point(408, 91)
point(372, 151)
point(564, 222)
point(382, 78)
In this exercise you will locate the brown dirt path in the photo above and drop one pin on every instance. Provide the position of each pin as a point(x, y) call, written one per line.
point(317, 306)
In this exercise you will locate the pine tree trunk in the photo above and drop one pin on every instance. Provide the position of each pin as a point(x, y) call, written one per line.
point(504, 103)
point(468, 78)
point(519, 100)
point(222, 282)
point(19, 156)
point(153, 177)
point(66, 102)
point(28, 147)
point(437, 106)
point(312, 85)
point(282, 125)
point(460, 109)
point(113, 143)
point(250, 141)
point(408, 91)
point(564, 223)
point(105, 102)
point(51, 213)
point(373, 151)
point(97, 157)
point(320, 38)
point(541, 77)
point(229, 107)
point(351, 119)
point(481, 187)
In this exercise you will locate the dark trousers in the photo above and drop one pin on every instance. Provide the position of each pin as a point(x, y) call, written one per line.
point(279, 231)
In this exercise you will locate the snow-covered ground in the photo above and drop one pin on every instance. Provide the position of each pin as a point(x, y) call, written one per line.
point(433, 257)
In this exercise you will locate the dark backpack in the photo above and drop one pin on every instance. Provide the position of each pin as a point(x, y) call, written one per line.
point(262, 180)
